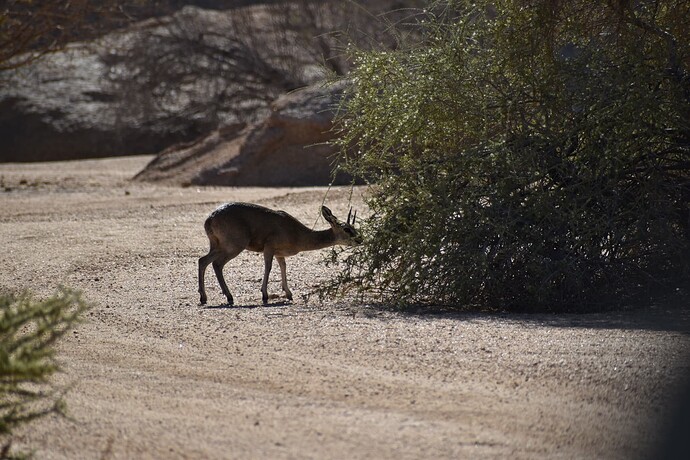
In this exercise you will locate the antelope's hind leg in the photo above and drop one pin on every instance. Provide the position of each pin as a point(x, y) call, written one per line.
point(218, 265)
point(203, 264)
point(268, 263)
point(218, 269)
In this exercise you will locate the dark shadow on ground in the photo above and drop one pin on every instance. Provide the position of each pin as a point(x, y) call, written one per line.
point(225, 306)
point(668, 317)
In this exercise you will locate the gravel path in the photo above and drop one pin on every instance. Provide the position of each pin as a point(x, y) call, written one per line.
point(155, 375)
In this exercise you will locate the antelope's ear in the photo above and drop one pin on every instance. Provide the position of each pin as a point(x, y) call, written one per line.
point(327, 214)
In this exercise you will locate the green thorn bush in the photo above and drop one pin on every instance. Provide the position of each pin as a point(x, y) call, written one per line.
point(29, 329)
point(524, 156)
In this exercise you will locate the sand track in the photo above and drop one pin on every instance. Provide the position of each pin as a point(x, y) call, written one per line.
point(155, 375)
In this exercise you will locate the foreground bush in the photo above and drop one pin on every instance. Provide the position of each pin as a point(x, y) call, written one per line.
point(526, 155)
point(29, 329)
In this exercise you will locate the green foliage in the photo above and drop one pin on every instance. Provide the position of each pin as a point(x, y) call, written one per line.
point(526, 155)
point(29, 329)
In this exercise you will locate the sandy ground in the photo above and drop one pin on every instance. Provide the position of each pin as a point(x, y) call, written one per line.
point(156, 375)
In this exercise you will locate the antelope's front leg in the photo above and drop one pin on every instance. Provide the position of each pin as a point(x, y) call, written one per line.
point(283, 275)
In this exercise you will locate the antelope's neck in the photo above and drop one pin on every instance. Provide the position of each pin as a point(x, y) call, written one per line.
point(320, 239)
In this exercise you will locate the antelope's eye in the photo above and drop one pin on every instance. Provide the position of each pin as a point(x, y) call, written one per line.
point(349, 231)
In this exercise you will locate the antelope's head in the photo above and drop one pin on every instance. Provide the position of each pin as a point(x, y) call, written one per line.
point(345, 232)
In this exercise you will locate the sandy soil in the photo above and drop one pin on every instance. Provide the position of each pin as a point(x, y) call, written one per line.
point(156, 375)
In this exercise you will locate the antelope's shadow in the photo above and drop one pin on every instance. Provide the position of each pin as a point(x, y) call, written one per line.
point(224, 306)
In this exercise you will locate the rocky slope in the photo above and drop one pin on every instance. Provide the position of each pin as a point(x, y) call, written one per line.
point(287, 148)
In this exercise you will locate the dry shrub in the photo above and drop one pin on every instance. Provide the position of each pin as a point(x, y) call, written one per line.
point(526, 156)
point(29, 329)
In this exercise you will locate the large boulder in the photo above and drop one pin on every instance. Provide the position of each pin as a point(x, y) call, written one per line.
point(287, 148)
point(139, 90)
point(175, 78)
point(58, 108)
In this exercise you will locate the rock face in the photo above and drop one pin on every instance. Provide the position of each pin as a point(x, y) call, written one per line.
point(62, 107)
point(285, 149)
point(123, 94)
point(173, 79)
point(59, 109)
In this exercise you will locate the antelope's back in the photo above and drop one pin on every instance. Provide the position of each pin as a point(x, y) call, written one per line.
point(257, 222)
